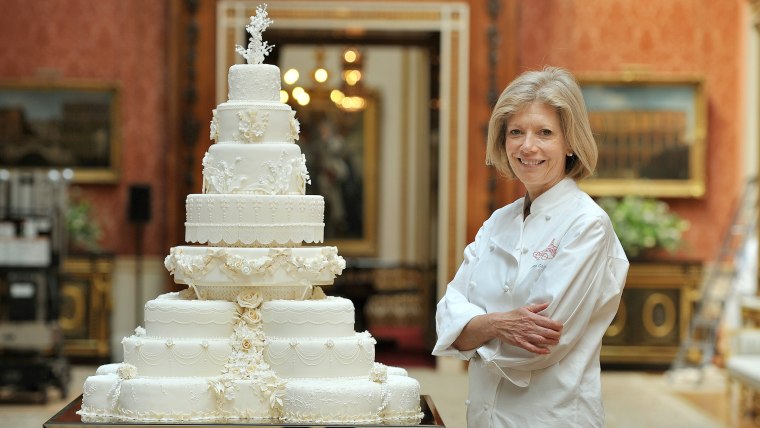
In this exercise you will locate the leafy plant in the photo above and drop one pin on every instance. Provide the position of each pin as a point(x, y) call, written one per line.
point(644, 223)
point(83, 231)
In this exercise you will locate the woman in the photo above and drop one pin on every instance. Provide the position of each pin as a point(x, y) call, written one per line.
point(542, 281)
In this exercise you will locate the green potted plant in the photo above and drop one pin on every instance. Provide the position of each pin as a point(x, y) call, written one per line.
point(83, 231)
point(644, 224)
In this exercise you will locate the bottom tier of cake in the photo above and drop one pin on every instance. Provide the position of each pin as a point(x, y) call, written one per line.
point(387, 395)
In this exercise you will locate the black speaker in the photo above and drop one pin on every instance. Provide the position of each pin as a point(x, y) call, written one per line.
point(139, 203)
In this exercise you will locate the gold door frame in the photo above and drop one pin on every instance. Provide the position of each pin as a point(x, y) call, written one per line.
point(450, 20)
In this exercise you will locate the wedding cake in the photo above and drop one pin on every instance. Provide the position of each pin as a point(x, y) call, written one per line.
point(253, 336)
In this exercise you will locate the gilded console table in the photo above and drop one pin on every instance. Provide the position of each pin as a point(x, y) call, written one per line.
point(654, 313)
point(86, 306)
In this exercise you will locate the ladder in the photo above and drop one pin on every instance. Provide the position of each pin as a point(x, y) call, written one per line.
point(697, 349)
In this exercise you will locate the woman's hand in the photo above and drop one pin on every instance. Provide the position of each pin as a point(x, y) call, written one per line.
point(526, 328)
point(523, 327)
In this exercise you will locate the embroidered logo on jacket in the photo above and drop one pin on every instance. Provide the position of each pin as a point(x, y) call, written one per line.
point(547, 253)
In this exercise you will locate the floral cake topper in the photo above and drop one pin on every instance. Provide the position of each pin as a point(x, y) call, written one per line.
point(257, 47)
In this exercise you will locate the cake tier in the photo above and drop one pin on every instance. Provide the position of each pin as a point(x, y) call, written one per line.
point(167, 357)
point(261, 169)
point(309, 357)
point(249, 122)
point(329, 317)
point(352, 400)
point(236, 267)
point(107, 397)
point(267, 291)
point(403, 402)
point(254, 219)
point(172, 316)
point(254, 82)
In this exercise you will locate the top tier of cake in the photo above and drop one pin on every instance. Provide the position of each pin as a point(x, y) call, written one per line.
point(254, 114)
point(254, 82)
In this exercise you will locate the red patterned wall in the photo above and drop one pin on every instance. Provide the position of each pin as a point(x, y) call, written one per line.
point(703, 37)
point(126, 42)
point(105, 40)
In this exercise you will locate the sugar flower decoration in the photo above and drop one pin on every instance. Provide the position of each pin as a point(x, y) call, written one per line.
point(378, 373)
point(257, 47)
point(249, 299)
point(127, 371)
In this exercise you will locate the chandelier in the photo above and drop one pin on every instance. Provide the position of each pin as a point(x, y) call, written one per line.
point(349, 94)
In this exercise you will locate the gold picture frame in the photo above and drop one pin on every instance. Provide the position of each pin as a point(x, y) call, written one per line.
point(651, 132)
point(341, 155)
point(60, 124)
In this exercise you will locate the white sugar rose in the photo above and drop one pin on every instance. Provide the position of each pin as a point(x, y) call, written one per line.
point(379, 373)
point(127, 371)
point(249, 299)
point(246, 344)
point(140, 332)
point(251, 317)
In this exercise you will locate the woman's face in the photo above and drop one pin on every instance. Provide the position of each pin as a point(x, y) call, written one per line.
point(536, 147)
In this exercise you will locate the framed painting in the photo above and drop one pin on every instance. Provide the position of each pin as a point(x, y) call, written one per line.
point(61, 125)
point(651, 134)
point(340, 147)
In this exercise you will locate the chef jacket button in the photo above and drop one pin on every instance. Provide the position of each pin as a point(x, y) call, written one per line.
point(472, 284)
point(506, 288)
point(466, 402)
point(486, 407)
point(548, 217)
point(492, 247)
point(524, 250)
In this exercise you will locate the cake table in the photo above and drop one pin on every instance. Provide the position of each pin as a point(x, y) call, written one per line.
point(68, 418)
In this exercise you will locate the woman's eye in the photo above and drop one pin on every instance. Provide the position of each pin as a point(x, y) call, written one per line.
point(514, 132)
point(546, 132)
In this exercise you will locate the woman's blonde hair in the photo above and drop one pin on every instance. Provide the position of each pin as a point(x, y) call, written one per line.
point(557, 88)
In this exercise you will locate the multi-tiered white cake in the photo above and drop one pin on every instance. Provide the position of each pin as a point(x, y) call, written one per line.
point(253, 336)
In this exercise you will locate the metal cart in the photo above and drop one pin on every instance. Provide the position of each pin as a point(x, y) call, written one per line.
point(32, 246)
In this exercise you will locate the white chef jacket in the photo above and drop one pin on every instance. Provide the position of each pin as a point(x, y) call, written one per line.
point(566, 253)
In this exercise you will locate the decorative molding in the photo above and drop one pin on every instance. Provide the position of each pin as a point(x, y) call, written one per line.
point(190, 124)
point(494, 41)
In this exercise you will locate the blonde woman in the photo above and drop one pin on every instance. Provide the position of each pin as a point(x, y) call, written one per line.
point(542, 281)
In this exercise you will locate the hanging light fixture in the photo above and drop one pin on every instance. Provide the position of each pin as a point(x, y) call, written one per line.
point(348, 95)
point(320, 73)
point(351, 97)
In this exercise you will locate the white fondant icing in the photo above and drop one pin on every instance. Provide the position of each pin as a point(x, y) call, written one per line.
point(170, 316)
point(172, 399)
point(254, 82)
point(254, 219)
point(161, 357)
point(330, 317)
point(248, 122)
point(308, 357)
point(263, 169)
point(337, 400)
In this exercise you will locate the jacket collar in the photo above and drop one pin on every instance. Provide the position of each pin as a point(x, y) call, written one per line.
point(560, 193)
